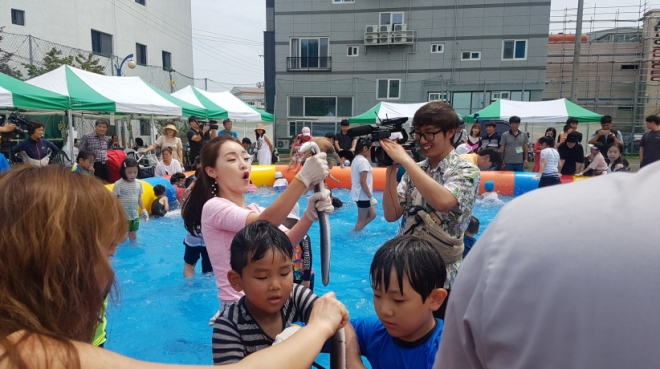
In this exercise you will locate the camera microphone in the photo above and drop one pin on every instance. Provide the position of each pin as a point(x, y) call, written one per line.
point(360, 131)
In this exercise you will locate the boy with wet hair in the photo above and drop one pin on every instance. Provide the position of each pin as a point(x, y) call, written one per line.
point(407, 278)
point(262, 268)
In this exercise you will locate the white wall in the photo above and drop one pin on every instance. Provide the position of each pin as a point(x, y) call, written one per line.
point(162, 25)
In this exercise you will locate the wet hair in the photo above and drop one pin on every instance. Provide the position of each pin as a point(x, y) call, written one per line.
point(34, 125)
point(473, 227)
point(554, 132)
point(330, 135)
point(128, 163)
point(547, 140)
point(344, 122)
point(102, 121)
point(495, 156)
point(437, 114)
point(139, 142)
point(164, 149)
point(84, 155)
point(204, 186)
point(478, 126)
point(514, 119)
point(606, 119)
point(253, 242)
point(491, 124)
point(176, 177)
point(56, 275)
point(653, 118)
point(415, 258)
point(569, 121)
point(159, 190)
point(246, 141)
point(361, 143)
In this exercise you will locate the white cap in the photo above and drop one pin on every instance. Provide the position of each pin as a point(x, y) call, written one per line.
point(462, 149)
point(295, 212)
point(347, 162)
point(278, 174)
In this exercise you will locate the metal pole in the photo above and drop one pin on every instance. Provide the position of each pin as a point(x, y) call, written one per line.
point(206, 84)
point(31, 55)
point(576, 51)
point(152, 130)
point(71, 138)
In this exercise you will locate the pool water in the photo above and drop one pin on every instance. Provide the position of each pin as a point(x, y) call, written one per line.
point(160, 316)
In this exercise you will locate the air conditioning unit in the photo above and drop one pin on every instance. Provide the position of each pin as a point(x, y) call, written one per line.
point(385, 28)
point(399, 27)
point(370, 38)
point(371, 29)
point(384, 38)
point(399, 38)
point(283, 143)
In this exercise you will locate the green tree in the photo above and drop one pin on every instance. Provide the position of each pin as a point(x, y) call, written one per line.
point(5, 58)
point(54, 59)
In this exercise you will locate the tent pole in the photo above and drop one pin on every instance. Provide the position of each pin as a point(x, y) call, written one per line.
point(152, 130)
point(70, 138)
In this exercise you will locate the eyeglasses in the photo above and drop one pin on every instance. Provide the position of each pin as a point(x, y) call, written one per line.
point(428, 136)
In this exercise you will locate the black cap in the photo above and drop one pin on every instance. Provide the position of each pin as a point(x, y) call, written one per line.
point(572, 137)
point(193, 118)
point(344, 122)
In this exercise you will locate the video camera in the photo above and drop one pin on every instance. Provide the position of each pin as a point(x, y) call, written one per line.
point(385, 129)
point(21, 125)
point(212, 123)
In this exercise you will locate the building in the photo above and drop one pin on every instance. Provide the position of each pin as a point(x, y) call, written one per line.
point(331, 59)
point(253, 96)
point(609, 72)
point(157, 33)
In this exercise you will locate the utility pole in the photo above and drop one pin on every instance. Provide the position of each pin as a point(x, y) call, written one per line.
point(206, 84)
point(576, 52)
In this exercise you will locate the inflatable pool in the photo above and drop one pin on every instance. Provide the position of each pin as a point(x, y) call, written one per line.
point(506, 183)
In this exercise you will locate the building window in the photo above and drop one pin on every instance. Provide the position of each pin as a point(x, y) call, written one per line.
point(629, 66)
point(141, 54)
point(318, 128)
point(342, 1)
point(389, 88)
point(471, 55)
point(141, 2)
point(438, 96)
point(167, 60)
point(309, 53)
point(500, 95)
point(145, 127)
point(312, 106)
point(514, 49)
point(388, 21)
point(101, 43)
point(18, 17)
point(437, 48)
point(352, 51)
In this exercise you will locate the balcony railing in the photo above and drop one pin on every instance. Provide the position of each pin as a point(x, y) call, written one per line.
point(309, 64)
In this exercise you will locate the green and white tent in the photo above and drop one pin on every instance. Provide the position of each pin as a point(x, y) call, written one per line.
point(222, 105)
point(98, 93)
point(386, 110)
point(550, 111)
point(18, 94)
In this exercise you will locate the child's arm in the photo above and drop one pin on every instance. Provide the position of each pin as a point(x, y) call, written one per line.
point(166, 204)
point(353, 358)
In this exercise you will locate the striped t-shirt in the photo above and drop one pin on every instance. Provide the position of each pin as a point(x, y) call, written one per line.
point(129, 194)
point(236, 334)
point(552, 164)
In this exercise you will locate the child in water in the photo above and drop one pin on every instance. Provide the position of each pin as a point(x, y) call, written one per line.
point(490, 193)
point(160, 206)
point(280, 182)
point(129, 191)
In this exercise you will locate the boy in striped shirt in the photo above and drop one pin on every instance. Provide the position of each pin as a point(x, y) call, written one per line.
point(262, 268)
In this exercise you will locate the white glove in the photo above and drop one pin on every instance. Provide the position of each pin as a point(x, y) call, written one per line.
point(320, 201)
point(373, 201)
point(145, 215)
point(314, 171)
point(286, 333)
point(213, 318)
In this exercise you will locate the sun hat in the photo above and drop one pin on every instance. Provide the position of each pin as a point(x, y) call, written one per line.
point(260, 126)
point(305, 131)
point(172, 127)
point(572, 137)
point(295, 212)
point(278, 175)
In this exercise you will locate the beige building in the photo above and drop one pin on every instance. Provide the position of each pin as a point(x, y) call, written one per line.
point(253, 96)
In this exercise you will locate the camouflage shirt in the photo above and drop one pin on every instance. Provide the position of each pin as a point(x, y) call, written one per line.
point(461, 178)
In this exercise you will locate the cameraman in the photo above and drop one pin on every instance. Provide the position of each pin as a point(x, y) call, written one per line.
point(35, 150)
point(443, 185)
point(197, 137)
